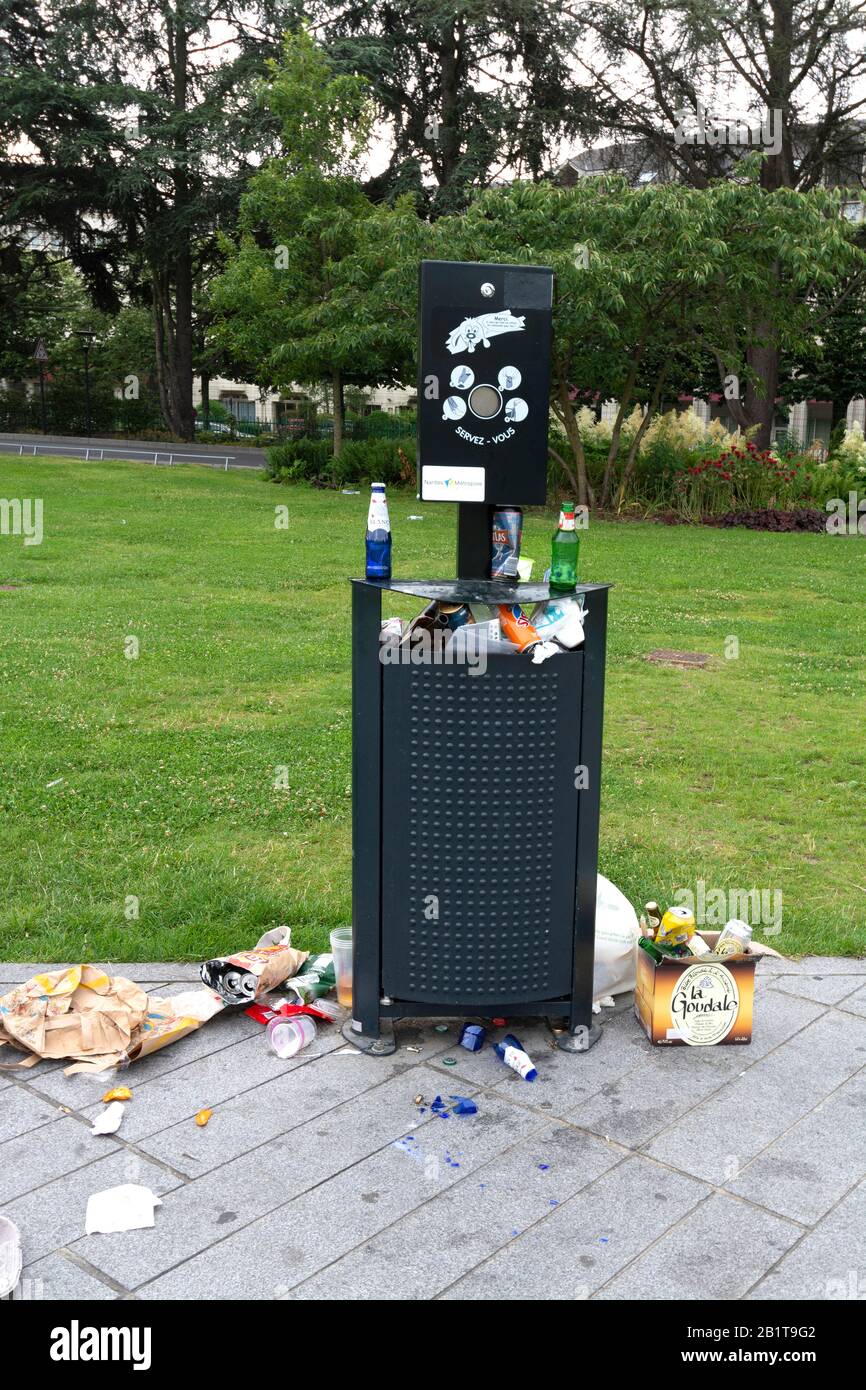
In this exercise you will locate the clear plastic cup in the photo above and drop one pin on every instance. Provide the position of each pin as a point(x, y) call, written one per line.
point(287, 1036)
point(341, 948)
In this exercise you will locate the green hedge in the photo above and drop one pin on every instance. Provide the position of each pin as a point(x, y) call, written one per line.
point(370, 460)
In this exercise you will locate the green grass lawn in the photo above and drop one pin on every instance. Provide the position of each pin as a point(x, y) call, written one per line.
point(747, 774)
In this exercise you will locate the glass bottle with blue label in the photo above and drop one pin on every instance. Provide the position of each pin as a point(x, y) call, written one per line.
point(378, 535)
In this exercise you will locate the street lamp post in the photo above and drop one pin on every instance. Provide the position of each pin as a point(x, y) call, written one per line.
point(86, 335)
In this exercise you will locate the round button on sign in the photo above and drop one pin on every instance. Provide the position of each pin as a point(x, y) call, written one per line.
point(485, 402)
point(509, 378)
point(488, 290)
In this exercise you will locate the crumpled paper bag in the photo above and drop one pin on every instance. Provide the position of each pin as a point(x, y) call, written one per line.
point(79, 1013)
point(95, 1020)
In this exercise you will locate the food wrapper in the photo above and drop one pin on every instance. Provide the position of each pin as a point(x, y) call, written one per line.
point(79, 1013)
point(247, 976)
point(168, 1020)
point(96, 1021)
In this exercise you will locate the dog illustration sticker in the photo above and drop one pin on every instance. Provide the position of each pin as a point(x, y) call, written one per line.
point(472, 332)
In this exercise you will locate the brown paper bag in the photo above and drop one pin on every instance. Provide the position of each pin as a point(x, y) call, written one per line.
point(80, 1013)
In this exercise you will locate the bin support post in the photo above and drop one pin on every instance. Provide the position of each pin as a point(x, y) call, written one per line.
point(582, 1031)
point(473, 541)
point(366, 810)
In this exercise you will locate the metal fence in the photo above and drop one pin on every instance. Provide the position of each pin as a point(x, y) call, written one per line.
point(67, 414)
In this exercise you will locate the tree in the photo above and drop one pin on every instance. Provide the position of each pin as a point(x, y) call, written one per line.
point(472, 93)
point(832, 366)
point(658, 71)
point(126, 135)
point(648, 276)
point(300, 297)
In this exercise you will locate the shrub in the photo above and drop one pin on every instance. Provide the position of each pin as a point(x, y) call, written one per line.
point(851, 453)
point(298, 459)
point(390, 461)
point(739, 480)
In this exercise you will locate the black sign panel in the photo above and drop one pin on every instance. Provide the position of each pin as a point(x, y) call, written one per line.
point(484, 382)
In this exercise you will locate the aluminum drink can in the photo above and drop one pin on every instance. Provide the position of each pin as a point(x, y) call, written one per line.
point(734, 939)
point(454, 615)
point(677, 927)
point(506, 534)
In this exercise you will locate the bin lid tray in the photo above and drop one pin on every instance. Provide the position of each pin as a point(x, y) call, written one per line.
point(488, 591)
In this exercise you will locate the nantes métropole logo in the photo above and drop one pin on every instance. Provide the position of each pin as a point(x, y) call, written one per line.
point(77, 1343)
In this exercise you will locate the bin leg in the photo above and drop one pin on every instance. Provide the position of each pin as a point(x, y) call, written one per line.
point(583, 1032)
point(364, 1029)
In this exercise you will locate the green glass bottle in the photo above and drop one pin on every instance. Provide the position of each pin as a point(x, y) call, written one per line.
point(563, 560)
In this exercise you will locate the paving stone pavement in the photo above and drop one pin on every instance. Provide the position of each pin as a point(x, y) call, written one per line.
point(628, 1172)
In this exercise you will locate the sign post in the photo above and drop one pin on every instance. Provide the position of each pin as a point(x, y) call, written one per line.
point(483, 394)
point(41, 356)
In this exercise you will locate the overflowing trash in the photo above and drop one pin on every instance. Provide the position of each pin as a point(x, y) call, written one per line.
point(117, 1093)
point(472, 1037)
point(460, 1105)
point(314, 979)
point(695, 988)
point(288, 1036)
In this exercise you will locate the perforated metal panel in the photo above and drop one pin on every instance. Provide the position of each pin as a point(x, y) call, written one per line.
point(479, 822)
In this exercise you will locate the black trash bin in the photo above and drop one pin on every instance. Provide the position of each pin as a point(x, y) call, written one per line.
point(475, 824)
point(475, 797)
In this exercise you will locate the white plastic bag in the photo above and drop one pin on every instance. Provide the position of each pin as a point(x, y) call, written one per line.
point(616, 937)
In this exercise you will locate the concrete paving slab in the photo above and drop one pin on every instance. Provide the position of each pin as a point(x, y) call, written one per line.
point(740, 1244)
point(47, 1153)
point(855, 1003)
point(53, 1214)
point(828, 1263)
point(721, 1134)
point(21, 1111)
point(824, 989)
point(216, 1205)
point(59, 1278)
point(801, 1175)
point(216, 1077)
point(419, 1256)
point(588, 1239)
point(318, 1177)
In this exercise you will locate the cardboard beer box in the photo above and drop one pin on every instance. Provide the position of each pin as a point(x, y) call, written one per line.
point(696, 1001)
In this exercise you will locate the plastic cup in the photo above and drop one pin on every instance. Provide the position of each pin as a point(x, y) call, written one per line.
point(341, 948)
point(286, 1036)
